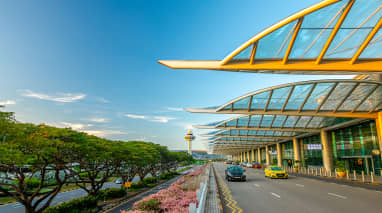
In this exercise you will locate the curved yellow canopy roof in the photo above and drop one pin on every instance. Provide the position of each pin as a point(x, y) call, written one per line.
point(331, 37)
point(332, 98)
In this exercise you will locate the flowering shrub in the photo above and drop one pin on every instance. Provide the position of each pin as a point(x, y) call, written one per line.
point(175, 199)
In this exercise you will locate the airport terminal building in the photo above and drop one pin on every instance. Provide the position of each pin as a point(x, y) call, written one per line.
point(316, 123)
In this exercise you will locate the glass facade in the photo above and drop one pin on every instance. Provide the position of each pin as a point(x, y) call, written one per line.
point(272, 154)
point(263, 158)
point(312, 151)
point(358, 146)
point(287, 153)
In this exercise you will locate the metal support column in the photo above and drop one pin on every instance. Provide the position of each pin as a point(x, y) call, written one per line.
point(296, 149)
point(267, 155)
point(327, 151)
point(279, 156)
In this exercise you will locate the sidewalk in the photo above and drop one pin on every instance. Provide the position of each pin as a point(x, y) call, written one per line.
point(212, 204)
point(349, 179)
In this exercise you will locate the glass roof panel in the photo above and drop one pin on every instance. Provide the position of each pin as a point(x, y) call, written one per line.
point(241, 104)
point(303, 121)
point(231, 123)
point(342, 120)
point(279, 120)
point(277, 133)
point(356, 97)
point(260, 100)
point(298, 96)
point(373, 100)
point(224, 133)
point(327, 122)
point(325, 17)
point(243, 132)
point(245, 54)
point(267, 120)
point(291, 121)
point(315, 122)
point(269, 133)
point(337, 96)
point(234, 132)
point(309, 43)
point(279, 97)
point(346, 43)
point(252, 132)
point(260, 133)
point(215, 132)
point(364, 13)
point(228, 107)
point(275, 44)
point(243, 122)
point(318, 94)
point(213, 123)
point(374, 49)
point(254, 122)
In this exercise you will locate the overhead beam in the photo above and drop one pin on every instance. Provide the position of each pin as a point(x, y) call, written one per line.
point(288, 112)
point(305, 66)
point(335, 30)
point(366, 41)
point(292, 40)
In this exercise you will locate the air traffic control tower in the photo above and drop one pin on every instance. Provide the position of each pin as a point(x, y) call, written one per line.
point(189, 138)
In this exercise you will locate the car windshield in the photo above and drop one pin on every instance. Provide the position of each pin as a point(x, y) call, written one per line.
point(235, 169)
point(276, 169)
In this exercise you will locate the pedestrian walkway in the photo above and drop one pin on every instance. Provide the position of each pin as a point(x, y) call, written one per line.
point(212, 204)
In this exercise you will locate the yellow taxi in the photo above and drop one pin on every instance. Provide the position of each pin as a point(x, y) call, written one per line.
point(275, 172)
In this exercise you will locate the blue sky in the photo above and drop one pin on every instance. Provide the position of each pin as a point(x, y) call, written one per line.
point(92, 65)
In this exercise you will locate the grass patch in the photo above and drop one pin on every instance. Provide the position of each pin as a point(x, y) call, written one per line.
point(5, 200)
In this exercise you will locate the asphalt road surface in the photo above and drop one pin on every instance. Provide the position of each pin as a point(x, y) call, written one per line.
point(61, 197)
point(299, 194)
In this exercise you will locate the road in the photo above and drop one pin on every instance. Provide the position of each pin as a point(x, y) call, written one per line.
point(61, 197)
point(299, 194)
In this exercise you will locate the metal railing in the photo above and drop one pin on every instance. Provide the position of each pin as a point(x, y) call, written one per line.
point(201, 194)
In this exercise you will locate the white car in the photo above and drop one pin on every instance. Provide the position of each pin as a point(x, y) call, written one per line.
point(248, 165)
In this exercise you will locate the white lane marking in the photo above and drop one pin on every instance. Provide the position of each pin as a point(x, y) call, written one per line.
point(340, 196)
point(276, 195)
point(257, 185)
point(300, 185)
point(17, 205)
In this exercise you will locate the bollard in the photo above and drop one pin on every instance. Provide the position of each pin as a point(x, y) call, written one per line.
point(355, 174)
point(347, 174)
point(363, 176)
point(316, 169)
point(320, 172)
point(330, 173)
point(372, 177)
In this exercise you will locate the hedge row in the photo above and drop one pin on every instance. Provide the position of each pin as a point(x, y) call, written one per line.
point(86, 204)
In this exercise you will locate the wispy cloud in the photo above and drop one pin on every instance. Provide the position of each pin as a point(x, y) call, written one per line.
point(161, 119)
point(59, 97)
point(177, 109)
point(104, 133)
point(98, 120)
point(7, 102)
point(158, 119)
point(102, 99)
point(135, 116)
point(76, 126)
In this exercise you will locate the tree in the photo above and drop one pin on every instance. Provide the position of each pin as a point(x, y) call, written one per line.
point(26, 155)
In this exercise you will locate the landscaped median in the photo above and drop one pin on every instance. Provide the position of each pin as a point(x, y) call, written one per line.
point(176, 198)
point(108, 196)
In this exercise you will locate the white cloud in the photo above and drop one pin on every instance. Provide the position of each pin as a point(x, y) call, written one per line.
point(103, 100)
point(161, 119)
point(98, 120)
point(7, 102)
point(158, 119)
point(104, 133)
point(59, 97)
point(186, 126)
point(76, 126)
point(135, 116)
point(175, 109)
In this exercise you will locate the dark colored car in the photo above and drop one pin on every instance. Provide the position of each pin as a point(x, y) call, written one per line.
point(235, 173)
point(236, 163)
